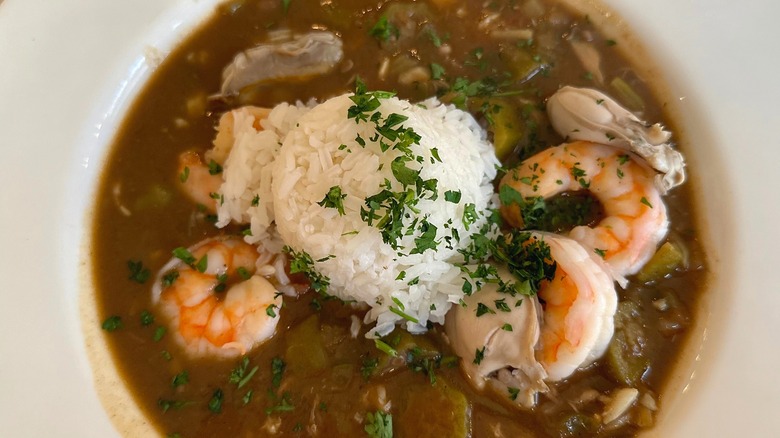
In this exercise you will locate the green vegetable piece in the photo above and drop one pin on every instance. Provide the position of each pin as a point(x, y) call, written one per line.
point(305, 354)
point(379, 425)
point(434, 412)
point(156, 197)
point(626, 95)
point(507, 126)
point(664, 262)
point(575, 425)
point(112, 323)
point(626, 356)
point(521, 63)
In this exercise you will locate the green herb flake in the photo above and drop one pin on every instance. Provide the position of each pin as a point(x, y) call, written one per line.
point(215, 404)
point(601, 252)
point(247, 397)
point(368, 367)
point(502, 305)
point(169, 278)
point(256, 201)
point(270, 310)
point(243, 273)
point(202, 264)
point(610, 43)
point(184, 255)
point(138, 273)
point(383, 30)
point(437, 71)
point(483, 309)
point(286, 5)
point(646, 202)
point(479, 355)
point(513, 393)
point(379, 425)
point(507, 327)
point(385, 348)
point(277, 371)
point(112, 323)
point(167, 405)
point(334, 199)
point(185, 173)
point(159, 333)
point(180, 379)
point(214, 168)
point(147, 318)
point(453, 196)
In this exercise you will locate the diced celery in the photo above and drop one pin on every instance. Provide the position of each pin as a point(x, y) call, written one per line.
point(626, 95)
point(305, 354)
point(664, 262)
point(626, 358)
point(506, 126)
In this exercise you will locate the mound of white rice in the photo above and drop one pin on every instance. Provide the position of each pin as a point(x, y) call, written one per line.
point(320, 150)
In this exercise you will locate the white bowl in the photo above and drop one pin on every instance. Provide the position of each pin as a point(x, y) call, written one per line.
point(69, 70)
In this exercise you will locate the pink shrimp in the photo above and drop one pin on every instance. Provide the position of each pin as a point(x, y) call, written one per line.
point(207, 315)
point(635, 219)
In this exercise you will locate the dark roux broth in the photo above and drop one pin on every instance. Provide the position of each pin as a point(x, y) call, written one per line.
point(142, 215)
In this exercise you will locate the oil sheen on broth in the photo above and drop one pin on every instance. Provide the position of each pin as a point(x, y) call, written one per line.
point(499, 60)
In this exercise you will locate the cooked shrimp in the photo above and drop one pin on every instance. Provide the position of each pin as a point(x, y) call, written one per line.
point(635, 217)
point(578, 309)
point(206, 314)
point(566, 326)
point(201, 178)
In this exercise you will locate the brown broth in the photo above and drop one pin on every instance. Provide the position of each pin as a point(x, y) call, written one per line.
point(142, 167)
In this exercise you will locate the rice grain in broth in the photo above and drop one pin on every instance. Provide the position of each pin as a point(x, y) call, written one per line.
point(489, 57)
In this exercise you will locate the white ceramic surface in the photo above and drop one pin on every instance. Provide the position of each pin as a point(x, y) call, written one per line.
point(68, 68)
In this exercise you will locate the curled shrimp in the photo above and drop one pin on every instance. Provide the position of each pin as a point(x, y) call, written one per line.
point(201, 178)
point(579, 304)
point(635, 218)
point(540, 338)
point(214, 302)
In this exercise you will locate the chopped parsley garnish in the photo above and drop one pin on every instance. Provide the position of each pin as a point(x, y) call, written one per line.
point(601, 252)
point(301, 262)
point(479, 355)
point(180, 379)
point(452, 196)
point(284, 405)
point(434, 37)
point(256, 201)
point(247, 397)
point(184, 255)
point(623, 159)
point(138, 273)
point(646, 202)
point(112, 323)
point(368, 367)
point(384, 347)
point(470, 215)
point(507, 327)
point(527, 258)
point(437, 71)
point(146, 318)
point(270, 310)
point(403, 314)
point(334, 199)
point(214, 168)
point(383, 30)
point(513, 393)
point(277, 371)
point(202, 264)
point(169, 278)
point(239, 375)
point(379, 425)
point(167, 405)
point(215, 404)
point(502, 305)
point(185, 173)
point(243, 273)
point(159, 333)
point(483, 309)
